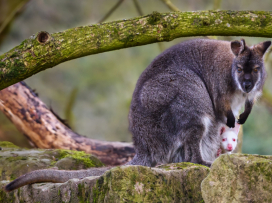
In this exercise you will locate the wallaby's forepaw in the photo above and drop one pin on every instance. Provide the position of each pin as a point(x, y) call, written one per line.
point(231, 122)
point(230, 119)
point(242, 118)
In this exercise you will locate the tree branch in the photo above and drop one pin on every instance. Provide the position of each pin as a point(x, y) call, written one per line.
point(44, 50)
point(31, 117)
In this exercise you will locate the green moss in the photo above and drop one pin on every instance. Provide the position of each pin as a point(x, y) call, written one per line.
point(253, 173)
point(2, 64)
point(80, 157)
point(199, 21)
point(143, 184)
point(5, 197)
point(81, 192)
point(100, 190)
point(154, 18)
point(14, 54)
point(16, 158)
point(12, 177)
point(6, 144)
point(182, 165)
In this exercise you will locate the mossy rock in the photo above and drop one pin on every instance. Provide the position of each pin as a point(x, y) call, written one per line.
point(170, 183)
point(178, 182)
point(239, 178)
point(17, 161)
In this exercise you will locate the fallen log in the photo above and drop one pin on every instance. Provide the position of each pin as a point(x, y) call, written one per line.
point(45, 130)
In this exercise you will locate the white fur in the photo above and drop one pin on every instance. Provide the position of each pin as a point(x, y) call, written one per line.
point(207, 146)
point(237, 82)
point(237, 102)
point(228, 139)
point(207, 122)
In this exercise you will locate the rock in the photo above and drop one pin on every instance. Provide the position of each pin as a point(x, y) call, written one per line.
point(169, 183)
point(16, 161)
point(178, 182)
point(239, 178)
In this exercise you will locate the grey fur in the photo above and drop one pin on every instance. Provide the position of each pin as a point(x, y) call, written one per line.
point(180, 103)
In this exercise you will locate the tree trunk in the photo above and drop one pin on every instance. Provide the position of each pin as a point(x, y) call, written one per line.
point(31, 116)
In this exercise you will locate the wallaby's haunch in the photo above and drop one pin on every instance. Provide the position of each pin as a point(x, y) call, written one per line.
point(181, 101)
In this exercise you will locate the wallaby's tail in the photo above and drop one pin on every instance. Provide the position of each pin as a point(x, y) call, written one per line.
point(55, 176)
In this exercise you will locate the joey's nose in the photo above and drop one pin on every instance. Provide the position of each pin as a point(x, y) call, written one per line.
point(229, 147)
point(247, 86)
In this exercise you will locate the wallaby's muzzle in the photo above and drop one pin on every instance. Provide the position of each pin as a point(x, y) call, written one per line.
point(247, 86)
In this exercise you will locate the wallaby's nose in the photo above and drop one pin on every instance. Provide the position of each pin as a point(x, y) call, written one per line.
point(247, 86)
point(229, 147)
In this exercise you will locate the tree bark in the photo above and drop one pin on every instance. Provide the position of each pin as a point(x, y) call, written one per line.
point(44, 50)
point(31, 116)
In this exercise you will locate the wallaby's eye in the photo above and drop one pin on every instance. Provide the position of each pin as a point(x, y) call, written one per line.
point(233, 140)
point(255, 70)
point(239, 69)
point(224, 139)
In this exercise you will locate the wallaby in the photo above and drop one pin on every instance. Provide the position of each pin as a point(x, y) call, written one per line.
point(229, 139)
point(181, 101)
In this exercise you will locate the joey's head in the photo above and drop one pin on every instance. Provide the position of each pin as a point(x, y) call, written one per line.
point(229, 141)
point(229, 138)
point(248, 69)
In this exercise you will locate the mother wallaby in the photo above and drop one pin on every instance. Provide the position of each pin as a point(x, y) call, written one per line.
point(188, 93)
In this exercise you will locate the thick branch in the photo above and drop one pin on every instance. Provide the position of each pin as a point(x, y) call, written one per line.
point(42, 51)
point(30, 115)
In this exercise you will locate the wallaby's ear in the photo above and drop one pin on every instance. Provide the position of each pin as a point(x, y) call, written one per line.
point(262, 47)
point(238, 47)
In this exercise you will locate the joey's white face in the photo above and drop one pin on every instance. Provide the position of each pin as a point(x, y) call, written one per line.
point(229, 140)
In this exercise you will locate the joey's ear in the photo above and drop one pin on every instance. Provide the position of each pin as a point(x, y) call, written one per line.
point(262, 47)
point(238, 47)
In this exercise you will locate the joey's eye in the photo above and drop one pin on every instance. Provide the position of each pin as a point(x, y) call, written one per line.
point(239, 69)
point(233, 140)
point(224, 139)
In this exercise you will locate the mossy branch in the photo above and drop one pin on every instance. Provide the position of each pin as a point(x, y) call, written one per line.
point(44, 50)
